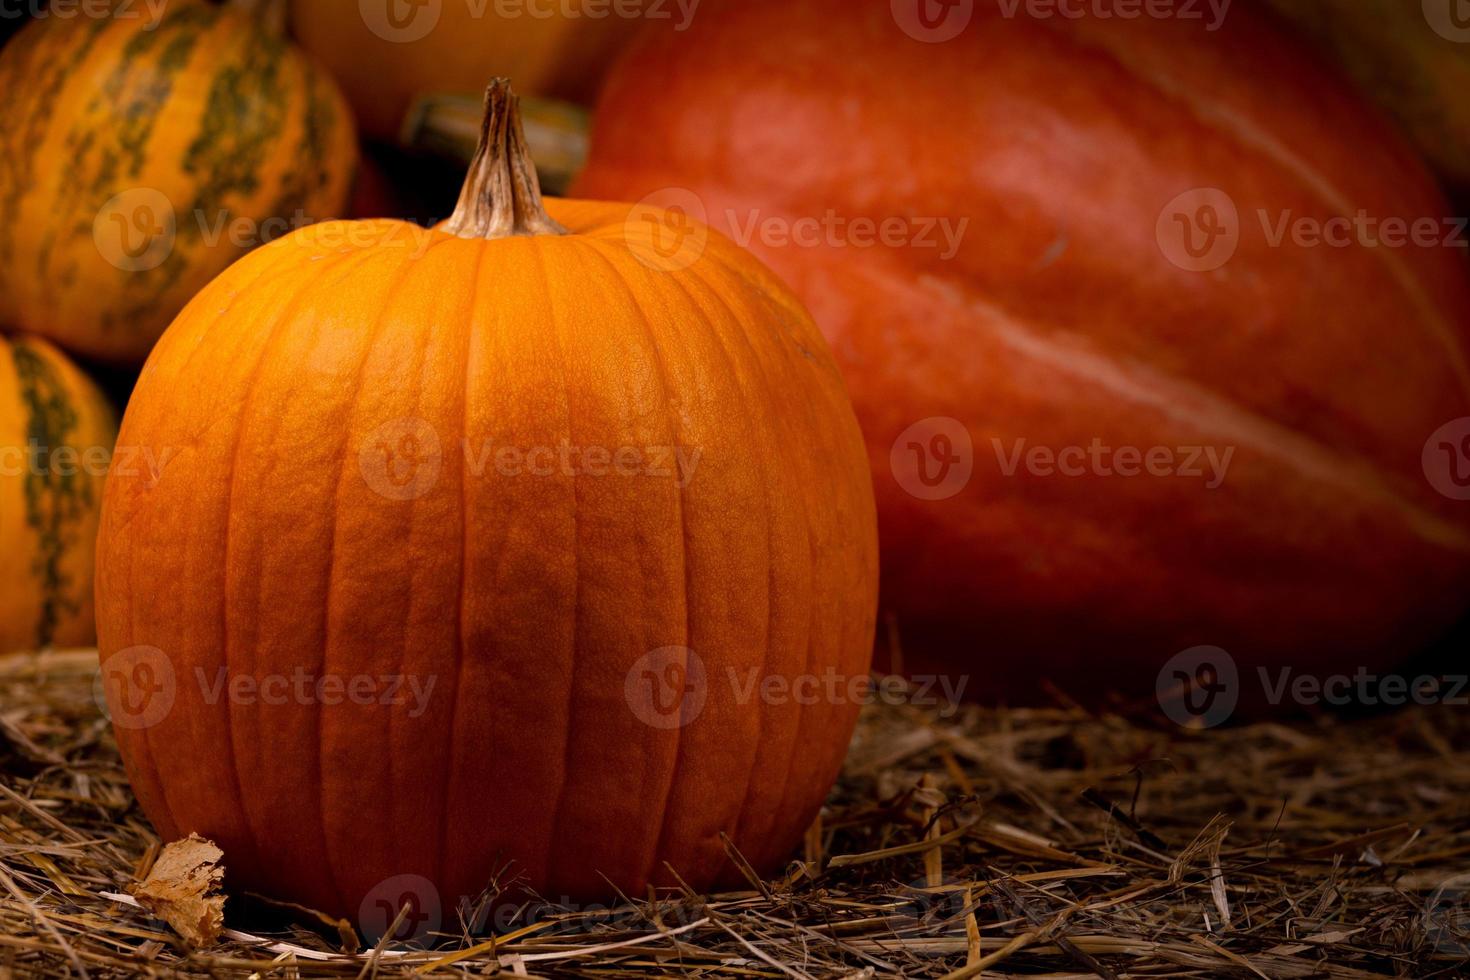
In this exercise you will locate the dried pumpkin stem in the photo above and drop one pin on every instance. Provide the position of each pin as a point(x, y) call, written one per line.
point(271, 14)
point(502, 194)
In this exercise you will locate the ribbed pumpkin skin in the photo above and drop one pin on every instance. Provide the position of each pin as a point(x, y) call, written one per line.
point(206, 109)
point(49, 501)
point(530, 598)
point(1060, 320)
point(558, 56)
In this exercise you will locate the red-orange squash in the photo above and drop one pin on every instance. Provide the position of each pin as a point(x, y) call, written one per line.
point(146, 150)
point(1034, 295)
point(389, 54)
point(56, 436)
point(583, 496)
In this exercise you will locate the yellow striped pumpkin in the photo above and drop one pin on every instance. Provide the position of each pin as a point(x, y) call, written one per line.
point(56, 440)
point(143, 154)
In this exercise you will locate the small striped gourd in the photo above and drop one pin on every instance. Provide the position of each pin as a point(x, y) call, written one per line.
point(56, 435)
point(143, 154)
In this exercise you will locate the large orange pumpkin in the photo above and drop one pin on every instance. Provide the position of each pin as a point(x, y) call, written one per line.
point(143, 155)
point(985, 214)
point(56, 436)
point(582, 492)
point(389, 54)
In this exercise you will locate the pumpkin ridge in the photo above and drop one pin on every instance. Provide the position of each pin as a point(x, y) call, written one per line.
point(262, 362)
point(1337, 469)
point(1266, 143)
point(555, 813)
point(464, 561)
point(334, 510)
point(680, 748)
point(744, 388)
point(796, 740)
point(263, 263)
point(600, 249)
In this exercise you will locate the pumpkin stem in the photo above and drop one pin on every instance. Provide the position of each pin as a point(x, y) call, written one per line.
point(502, 194)
point(270, 14)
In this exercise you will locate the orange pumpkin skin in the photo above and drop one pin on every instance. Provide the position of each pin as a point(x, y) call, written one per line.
point(388, 54)
point(145, 155)
point(56, 437)
point(341, 507)
point(1060, 319)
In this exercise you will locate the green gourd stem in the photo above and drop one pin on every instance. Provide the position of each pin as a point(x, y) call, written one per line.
point(502, 194)
point(271, 14)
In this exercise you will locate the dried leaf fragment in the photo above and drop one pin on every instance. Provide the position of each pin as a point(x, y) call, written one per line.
point(183, 889)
